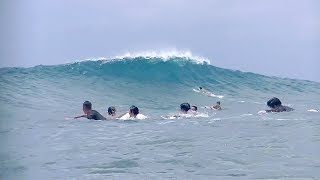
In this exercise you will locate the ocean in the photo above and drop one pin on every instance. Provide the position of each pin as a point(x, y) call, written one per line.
point(38, 142)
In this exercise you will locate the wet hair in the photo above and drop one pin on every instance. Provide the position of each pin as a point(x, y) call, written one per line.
point(87, 105)
point(218, 102)
point(195, 108)
point(134, 110)
point(200, 87)
point(111, 110)
point(185, 107)
point(273, 102)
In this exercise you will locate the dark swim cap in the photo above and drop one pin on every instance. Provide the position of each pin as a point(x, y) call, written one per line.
point(185, 106)
point(87, 105)
point(134, 110)
point(111, 110)
point(273, 102)
point(200, 87)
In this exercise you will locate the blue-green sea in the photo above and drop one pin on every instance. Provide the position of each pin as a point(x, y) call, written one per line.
point(38, 142)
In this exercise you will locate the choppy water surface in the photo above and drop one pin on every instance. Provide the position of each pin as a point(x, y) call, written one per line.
point(235, 143)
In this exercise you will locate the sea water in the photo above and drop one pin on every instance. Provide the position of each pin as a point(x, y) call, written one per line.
point(37, 142)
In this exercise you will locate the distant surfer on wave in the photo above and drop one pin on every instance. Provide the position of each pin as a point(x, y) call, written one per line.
point(276, 106)
point(207, 92)
point(89, 113)
point(216, 107)
point(204, 91)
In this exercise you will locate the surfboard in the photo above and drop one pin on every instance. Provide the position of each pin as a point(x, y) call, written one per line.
point(210, 94)
point(127, 117)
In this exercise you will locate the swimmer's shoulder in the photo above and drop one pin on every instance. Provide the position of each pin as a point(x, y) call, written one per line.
point(141, 116)
point(288, 109)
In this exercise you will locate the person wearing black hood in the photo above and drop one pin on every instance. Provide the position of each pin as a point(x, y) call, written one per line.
point(276, 106)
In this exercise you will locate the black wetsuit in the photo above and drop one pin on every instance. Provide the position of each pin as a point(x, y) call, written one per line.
point(284, 109)
point(281, 109)
point(95, 115)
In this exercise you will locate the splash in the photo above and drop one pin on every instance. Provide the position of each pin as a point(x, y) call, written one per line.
point(164, 55)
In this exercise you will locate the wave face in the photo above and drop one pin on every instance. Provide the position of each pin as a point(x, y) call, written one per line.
point(155, 83)
point(36, 137)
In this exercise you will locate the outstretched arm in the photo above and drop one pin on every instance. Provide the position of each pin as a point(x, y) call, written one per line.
point(273, 110)
point(122, 115)
point(81, 116)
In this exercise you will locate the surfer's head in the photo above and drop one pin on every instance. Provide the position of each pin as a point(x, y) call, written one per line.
point(200, 88)
point(218, 103)
point(274, 102)
point(185, 107)
point(112, 111)
point(133, 111)
point(194, 108)
point(87, 106)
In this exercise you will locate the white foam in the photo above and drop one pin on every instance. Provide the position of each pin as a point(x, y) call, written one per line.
point(166, 122)
point(208, 93)
point(201, 115)
point(262, 112)
point(96, 59)
point(164, 55)
point(313, 110)
point(151, 54)
point(195, 115)
point(247, 115)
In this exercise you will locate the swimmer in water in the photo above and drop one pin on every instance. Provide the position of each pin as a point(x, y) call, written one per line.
point(186, 111)
point(111, 112)
point(133, 113)
point(217, 106)
point(276, 106)
point(204, 91)
point(208, 93)
point(194, 108)
point(89, 113)
point(185, 107)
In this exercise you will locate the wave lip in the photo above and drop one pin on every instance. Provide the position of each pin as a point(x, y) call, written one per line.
point(164, 55)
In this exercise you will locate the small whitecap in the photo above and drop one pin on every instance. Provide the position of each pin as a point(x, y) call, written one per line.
point(313, 110)
point(262, 112)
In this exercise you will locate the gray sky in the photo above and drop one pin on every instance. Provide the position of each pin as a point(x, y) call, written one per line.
point(272, 37)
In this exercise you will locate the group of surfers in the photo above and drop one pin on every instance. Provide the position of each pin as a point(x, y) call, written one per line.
point(89, 113)
point(274, 103)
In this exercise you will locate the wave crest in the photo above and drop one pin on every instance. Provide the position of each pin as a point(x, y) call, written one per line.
point(155, 55)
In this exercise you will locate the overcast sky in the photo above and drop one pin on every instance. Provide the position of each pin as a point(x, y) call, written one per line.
point(272, 37)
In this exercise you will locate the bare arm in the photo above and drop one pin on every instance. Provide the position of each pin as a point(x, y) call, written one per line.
point(273, 110)
point(81, 116)
point(122, 115)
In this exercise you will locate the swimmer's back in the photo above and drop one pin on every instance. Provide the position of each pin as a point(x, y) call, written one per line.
point(95, 115)
point(285, 109)
point(127, 116)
